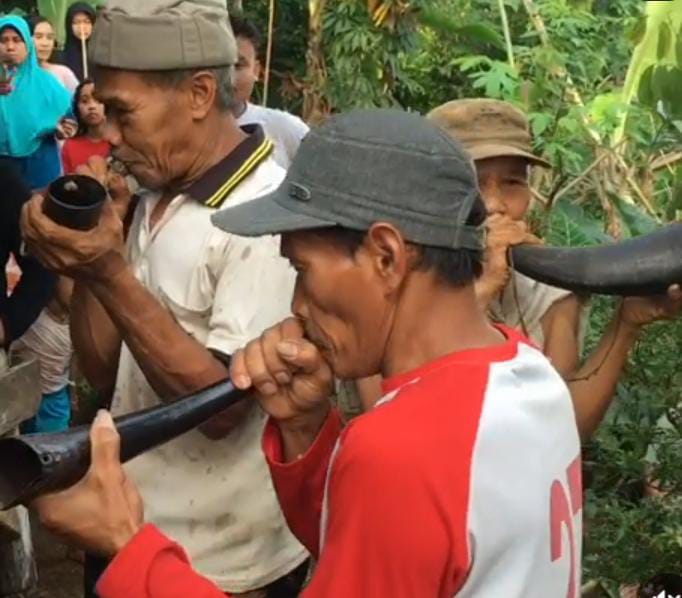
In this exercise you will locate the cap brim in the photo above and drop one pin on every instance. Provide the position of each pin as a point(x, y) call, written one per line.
point(264, 216)
point(495, 150)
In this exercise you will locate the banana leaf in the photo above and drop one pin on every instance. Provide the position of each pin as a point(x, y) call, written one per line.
point(659, 35)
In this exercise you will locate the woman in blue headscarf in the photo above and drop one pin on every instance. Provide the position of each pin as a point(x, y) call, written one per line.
point(33, 107)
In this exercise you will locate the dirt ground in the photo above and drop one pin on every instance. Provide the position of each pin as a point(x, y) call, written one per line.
point(60, 570)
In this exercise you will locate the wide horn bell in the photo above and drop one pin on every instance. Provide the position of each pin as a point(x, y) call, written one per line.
point(37, 464)
point(646, 265)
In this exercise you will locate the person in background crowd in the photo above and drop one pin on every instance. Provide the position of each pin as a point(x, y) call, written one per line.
point(160, 317)
point(465, 479)
point(49, 341)
point(33, 107)
point(45, 41)
point(496, 135)
point(79, 24)
point(286, 130)
point(90, 139)
point(36, 285)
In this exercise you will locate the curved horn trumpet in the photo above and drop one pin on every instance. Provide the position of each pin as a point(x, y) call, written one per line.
point(647, 265)
point(37, 464)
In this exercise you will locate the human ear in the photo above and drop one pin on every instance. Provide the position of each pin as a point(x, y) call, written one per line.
point(202, 89)
point(389, 253)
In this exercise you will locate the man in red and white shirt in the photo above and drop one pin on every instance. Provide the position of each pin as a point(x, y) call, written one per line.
point(464, 479)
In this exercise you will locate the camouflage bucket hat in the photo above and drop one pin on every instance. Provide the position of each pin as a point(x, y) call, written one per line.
point(487, 129)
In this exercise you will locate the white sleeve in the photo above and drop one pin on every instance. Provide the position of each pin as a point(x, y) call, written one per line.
point(290, 132)
point(253, 292)
point(70, 80)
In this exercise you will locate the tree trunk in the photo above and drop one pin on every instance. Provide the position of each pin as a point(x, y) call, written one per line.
point(315, 105)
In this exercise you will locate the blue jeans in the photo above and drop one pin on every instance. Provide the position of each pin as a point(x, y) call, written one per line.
point(53, 415)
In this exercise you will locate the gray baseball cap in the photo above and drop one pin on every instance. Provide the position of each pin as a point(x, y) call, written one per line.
point(370, 166)
point(151, 35)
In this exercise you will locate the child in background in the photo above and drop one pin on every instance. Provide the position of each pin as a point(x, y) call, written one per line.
point(89, 140)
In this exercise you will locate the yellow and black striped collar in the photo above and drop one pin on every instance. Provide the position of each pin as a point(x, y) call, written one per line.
point(215, 186)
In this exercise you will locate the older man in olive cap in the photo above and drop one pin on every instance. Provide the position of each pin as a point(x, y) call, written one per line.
point(160, 316)
point(497, 136)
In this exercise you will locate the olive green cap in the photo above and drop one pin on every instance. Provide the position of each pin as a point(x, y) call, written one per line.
point(487, 128)
point(160, 35)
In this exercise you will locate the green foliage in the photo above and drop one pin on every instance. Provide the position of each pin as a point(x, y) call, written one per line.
point(631, 536)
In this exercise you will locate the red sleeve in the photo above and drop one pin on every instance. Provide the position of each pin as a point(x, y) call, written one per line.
point(387, 531)
point(67, 163)
point(152, 566)
point(300, 484)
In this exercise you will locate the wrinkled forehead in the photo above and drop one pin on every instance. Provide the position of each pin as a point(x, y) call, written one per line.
point(502, 166)
point(304, 245)
point(120, 87)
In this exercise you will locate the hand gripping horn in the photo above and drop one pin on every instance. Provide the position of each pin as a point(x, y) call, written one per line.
point(37, 464)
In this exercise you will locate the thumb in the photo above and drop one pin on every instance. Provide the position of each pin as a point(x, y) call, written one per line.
point(301, 354)
point(105, 442)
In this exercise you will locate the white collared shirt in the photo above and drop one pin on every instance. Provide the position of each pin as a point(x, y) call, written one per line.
point(214, 497)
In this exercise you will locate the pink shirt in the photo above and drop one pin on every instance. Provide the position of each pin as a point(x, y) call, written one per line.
point(64, 74)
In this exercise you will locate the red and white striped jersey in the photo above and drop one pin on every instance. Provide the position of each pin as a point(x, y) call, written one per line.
point(463, 481)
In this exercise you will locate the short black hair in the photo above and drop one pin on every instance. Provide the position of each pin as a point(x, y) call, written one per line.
point(455, 267)
point(82, 125)
point(173, 78)
point(246, 29)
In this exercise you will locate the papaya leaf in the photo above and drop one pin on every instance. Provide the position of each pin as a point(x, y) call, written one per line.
point(571, 226)
point(477, 32)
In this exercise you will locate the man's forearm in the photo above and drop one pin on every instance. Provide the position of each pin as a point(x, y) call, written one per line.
point(173, 362)
point(96, 341)
point(594, 384)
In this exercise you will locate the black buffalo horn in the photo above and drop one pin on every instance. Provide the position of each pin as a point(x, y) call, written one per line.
point(645, 265)
point(37, 464)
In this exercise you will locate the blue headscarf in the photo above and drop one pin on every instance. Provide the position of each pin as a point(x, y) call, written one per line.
point(37, 102)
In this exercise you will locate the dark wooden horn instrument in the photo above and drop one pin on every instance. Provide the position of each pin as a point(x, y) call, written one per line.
point(646, 265)
point(37, 464)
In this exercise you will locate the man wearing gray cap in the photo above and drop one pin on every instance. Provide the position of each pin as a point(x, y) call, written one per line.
point(464, 480)
point(161, 317)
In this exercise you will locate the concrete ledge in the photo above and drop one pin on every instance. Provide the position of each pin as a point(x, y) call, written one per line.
point(19, 395)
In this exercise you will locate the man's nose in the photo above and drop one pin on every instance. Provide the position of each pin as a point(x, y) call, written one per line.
point(299, 305)
point(112, 133)
point(494, 201)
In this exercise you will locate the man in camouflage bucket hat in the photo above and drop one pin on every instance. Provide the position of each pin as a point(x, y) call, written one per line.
point(162, 317)
point(496, 135)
